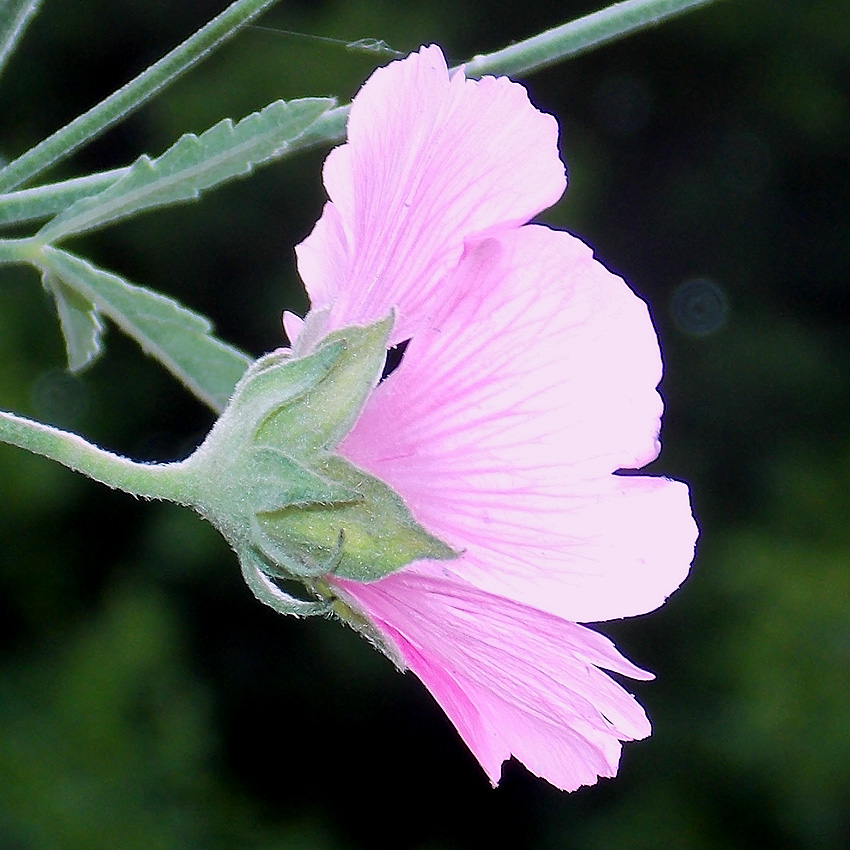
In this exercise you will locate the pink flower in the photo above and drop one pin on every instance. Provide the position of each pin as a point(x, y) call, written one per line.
point(529, 380)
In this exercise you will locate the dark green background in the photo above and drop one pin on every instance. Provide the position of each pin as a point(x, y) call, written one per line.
point(147, 701)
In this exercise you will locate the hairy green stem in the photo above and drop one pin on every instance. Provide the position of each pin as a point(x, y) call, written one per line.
point(148, 480)
point(132, 95)
point(18, 251)
point(14, 17)
point(579, 36)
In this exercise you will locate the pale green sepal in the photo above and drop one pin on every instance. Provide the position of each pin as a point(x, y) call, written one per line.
point(278, 481)
point(324, 417)
point(180, 339)
point(363, 540)
point(81, 325)
point(262, 586)
point(193, 164)
point(273, 382)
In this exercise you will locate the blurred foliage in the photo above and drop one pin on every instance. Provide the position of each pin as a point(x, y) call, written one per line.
point(147, 701)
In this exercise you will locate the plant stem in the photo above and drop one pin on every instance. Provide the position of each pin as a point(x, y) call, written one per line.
point(132, 95)
point(148, 480)
point(14, 17)
point(579, 36)
point(18, 251)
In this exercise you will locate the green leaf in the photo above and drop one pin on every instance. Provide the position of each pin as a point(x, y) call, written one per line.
point(14, 17)
point(52, 198)
point(132, 95)
point(178, 338)
point(192, 164)
point(80, 323)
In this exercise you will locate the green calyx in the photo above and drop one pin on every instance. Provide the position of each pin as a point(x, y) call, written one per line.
point(267, 478)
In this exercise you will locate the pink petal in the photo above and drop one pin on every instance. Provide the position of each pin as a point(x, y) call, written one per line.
point(431, 161)
point(505, 421)
point(513, 680)
point(292, 326)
